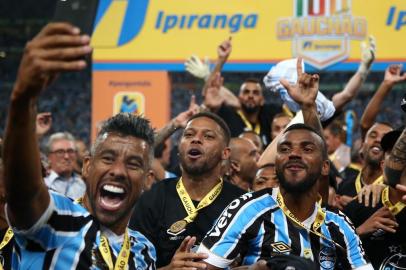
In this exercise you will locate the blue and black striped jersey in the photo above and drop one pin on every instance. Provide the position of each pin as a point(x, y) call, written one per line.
point(255, 227)
point(68, 237)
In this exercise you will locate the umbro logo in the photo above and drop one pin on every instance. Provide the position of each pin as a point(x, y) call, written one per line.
point(280, 247)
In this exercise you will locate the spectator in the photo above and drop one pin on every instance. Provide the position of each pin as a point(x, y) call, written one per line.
point(62, 156)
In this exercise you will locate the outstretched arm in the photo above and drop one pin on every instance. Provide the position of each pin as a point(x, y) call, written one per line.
point(55, 49)
point(351, 89)
point(392, 77)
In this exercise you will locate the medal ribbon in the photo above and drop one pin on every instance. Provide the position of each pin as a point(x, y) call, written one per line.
point(6, 239)
point(320, 217)
point(395, 209)
point(122, 259)
point(187, 201)
point(256, 129)
point(104, 248)
point(358, 184)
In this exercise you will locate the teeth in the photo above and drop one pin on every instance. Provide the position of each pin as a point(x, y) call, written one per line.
point(113, 189)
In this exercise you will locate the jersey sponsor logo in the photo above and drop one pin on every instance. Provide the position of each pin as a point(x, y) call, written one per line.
point(321, 30)
point(327, 258)
point(280, 247)
point(224, 218)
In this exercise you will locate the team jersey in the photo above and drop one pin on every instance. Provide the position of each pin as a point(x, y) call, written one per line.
point(255, 227)
point(68, 237)
point(380, 246)
point(161, 206)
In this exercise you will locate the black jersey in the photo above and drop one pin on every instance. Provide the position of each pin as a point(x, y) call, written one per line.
point(160, 207)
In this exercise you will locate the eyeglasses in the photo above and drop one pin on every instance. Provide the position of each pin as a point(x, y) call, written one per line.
point(62, 152)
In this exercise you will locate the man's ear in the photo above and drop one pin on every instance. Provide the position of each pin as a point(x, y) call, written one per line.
point(226, 153)
point(235, 166)
point(85, 167)
point(325, 169)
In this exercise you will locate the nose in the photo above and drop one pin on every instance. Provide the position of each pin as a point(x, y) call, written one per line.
point(295, 153)
point(118, 170)
point(197, 139)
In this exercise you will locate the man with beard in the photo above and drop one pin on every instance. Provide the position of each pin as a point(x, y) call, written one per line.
point(52, 231)
point(371, 172)
point(257, 226)
point(253, 115)
point(176, 208)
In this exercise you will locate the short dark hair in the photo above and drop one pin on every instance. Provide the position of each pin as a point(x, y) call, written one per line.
point(252, 80)
point(301, 126)
point(127, 124)
point(218, 120)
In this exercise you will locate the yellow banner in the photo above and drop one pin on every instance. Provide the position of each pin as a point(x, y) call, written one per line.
point(161, 34)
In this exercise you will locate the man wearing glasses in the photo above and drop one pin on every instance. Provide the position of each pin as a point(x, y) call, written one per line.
point(61, 152)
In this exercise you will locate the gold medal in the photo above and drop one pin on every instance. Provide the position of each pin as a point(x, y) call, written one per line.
point(178, 226)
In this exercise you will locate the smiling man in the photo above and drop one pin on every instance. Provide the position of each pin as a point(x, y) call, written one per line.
point(371, 172)
point(62, 155)
point(175, 208)
point(258, 226)
point(52, 231)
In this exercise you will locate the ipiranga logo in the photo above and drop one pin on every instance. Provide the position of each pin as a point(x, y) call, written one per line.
point(118, 22)
point(321, 30)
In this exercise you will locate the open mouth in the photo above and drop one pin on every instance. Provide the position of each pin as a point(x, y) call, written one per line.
point(194, 153)
point(111, 197)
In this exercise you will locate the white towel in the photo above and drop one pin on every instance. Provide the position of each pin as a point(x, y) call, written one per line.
point(287, 70)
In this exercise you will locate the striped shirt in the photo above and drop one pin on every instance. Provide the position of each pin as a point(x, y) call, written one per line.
point(255, 227)
point(68, 237)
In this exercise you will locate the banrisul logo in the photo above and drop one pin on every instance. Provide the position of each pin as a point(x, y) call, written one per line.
point(118, 22)
point(321, 30)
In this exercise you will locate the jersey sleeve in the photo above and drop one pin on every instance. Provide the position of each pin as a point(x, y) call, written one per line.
point(355, 252)
point(236, 229)
point(62, 221)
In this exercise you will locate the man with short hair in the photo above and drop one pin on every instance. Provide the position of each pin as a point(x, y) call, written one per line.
point(62, 157)
point(279, 122)
point(175, 208)
point(257, 226)
point(243, 163)
point(371, 172)
point(52, 231)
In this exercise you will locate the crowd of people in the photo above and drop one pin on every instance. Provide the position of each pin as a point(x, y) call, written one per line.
point(254, 185)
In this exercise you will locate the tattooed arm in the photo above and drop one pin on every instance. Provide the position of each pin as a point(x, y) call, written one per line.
point(396, 163)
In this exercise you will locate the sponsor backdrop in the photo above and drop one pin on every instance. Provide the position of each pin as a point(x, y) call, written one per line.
point(144, 93)
point(160, 34)
point(143, 35)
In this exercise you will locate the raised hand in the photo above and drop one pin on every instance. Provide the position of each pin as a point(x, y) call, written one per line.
point(58, 47)
point(182, 118)
point(212, 98)
point(198, 68)
point(304, 92)
point(184, 259)
point(224, 49)
point(393, 74)
point(43, 123)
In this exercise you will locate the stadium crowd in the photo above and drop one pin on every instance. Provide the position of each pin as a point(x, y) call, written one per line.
point(300, 182)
